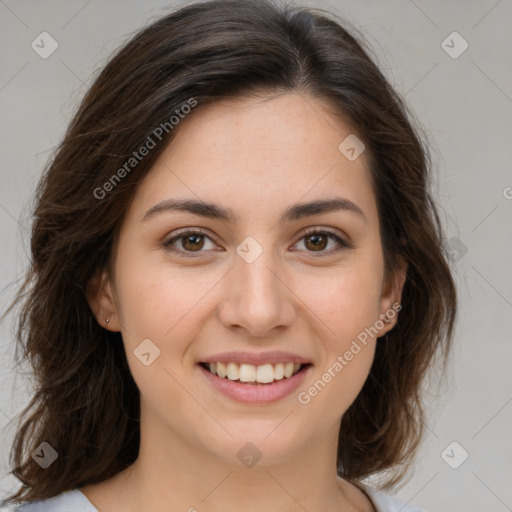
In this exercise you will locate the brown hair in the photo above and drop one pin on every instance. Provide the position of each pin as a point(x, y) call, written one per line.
point(86, 403)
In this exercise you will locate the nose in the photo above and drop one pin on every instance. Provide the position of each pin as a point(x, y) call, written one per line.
point(257, 298)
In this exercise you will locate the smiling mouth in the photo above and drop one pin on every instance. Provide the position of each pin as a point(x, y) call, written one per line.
point(252, 374)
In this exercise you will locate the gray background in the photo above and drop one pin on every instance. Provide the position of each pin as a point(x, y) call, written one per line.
point(464, 103)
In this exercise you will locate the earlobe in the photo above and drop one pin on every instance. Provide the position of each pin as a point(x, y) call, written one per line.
point(101, 301)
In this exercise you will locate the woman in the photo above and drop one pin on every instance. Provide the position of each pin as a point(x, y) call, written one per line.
point(238, 277)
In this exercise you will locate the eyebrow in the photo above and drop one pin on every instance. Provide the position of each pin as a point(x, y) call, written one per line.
point(292, 213)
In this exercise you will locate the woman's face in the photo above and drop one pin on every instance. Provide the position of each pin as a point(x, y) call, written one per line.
point(252, 290)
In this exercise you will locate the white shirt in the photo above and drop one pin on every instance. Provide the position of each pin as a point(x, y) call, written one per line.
point(76, 501)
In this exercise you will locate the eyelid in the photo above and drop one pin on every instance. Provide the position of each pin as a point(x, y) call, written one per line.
point(191, 230)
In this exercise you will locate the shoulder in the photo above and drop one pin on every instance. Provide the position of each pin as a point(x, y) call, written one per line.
point(76, 501)
point(385, 503)
point(69, 501)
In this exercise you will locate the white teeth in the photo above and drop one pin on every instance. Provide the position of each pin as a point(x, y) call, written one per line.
point(263, 374)
point(232, 371)
point(247, 372)
point(221, 370)
point(279, 371)
point(288, 370)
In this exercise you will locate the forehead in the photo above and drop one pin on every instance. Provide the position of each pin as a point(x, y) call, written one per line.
point(259, 153)
point(284, 123)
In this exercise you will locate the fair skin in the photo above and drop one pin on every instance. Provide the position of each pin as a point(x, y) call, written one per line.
point(256, 158)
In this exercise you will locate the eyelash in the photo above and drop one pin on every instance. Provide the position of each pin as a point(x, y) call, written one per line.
point(198, 231)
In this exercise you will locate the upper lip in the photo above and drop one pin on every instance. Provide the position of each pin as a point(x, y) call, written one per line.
point(256, 359)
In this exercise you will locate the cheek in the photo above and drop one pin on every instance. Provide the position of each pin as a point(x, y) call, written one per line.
point(347, 300)
point(145, 305)
point(162, 304)
point(346, 377)
point(348, 311)
point(154, 296)
point(157, 306)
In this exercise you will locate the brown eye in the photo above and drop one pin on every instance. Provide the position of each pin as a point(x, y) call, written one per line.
point(188, 243)
point(192, 242)
point(318, 242)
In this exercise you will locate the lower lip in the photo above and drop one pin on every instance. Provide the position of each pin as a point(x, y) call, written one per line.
point(256, 393)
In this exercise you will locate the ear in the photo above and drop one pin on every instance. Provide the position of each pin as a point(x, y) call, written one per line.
point(101, 301)
point(391, 297)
